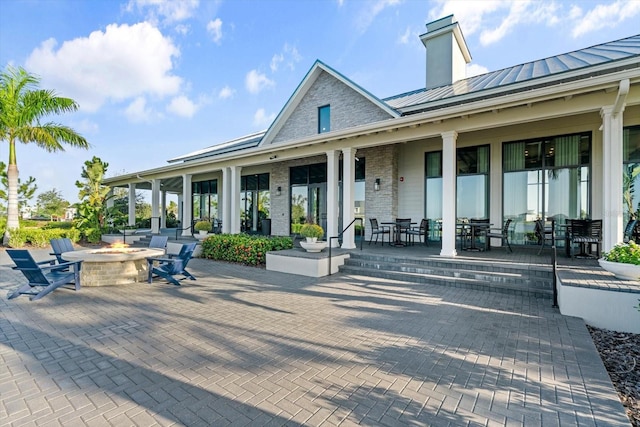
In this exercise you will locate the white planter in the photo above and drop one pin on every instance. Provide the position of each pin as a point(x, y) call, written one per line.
point(621, 270)
point(203, 232)
point(313, 246)
point(311, 239)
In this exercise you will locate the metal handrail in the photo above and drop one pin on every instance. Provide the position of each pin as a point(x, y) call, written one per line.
point(554, 264)
point(340, 235)
point(188, 227)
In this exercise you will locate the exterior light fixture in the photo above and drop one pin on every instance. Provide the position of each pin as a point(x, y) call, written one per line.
point(376, 186)
point(278, 191)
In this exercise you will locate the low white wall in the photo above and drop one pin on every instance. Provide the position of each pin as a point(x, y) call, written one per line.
point(312, 267)
point(605, 309)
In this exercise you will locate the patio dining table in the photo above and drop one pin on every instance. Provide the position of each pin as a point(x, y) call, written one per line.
point(397, 231)
point(475, 230)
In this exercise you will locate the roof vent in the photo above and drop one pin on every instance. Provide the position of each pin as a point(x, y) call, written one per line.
point(447, 52)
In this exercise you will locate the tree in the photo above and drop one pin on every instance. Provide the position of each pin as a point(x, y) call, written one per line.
point(22, 106)
point(26, 190)
point(93, 198)
point(51, 203)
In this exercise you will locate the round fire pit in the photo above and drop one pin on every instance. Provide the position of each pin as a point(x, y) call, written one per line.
point(112, 266)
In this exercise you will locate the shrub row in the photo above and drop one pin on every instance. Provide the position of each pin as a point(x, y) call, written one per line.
point(39, 237)
point(243, 248)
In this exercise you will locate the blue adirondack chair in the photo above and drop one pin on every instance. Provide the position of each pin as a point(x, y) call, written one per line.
point(42, 279)
point(60, 246)
point(159, 242)
point(173, 265)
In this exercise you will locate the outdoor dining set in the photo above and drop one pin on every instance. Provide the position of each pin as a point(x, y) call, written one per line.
point(580, 238)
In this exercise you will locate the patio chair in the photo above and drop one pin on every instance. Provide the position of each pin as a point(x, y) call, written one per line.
point(421, 231)
point(543, 233)
point(60, 246)
point(586, 233)
point(630, 231)
point(173, 265)
point(379, 230)
point(159, 242)
point(41, 280)
point(500, 233)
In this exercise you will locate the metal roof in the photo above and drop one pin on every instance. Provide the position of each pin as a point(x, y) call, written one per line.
point(555, 65)
point(242, 143)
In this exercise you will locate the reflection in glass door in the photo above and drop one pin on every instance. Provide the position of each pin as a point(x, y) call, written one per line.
point(318, 204)
point(308, 204)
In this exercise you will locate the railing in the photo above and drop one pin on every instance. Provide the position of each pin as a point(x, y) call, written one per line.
point(340, 235)
point(554, 264)
point(188, 227)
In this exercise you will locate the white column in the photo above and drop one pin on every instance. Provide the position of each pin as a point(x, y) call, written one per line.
point(333, 162)
point(235, 199)
point(132, 204)
point(612, 167)
point(187, 205)
point(155, 206)
point(449, 194)
point(163, 209)
point(348, 182)
point(226, 200)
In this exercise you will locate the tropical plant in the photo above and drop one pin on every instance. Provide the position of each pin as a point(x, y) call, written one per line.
point(626, 253)
point(311, 230)
point(628, 188)
point(93, 198)
point(22, 106)
point(203, 225)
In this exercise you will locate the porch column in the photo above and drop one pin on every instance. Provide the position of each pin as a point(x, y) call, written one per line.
point(449, 217)
point(155, 206)
point(226, 200)
point(332, 196)
point(235, 199)
point(612, 162)
point(132, 204)
point(348, 182)
point(163, 209)
point(187, 205)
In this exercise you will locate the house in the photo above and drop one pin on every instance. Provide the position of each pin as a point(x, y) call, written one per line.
point(554, 137)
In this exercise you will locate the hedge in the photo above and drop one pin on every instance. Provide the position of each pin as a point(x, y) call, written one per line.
point(243, 248)
point(39, 237)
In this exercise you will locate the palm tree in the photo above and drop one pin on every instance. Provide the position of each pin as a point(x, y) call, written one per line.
point(22, 105)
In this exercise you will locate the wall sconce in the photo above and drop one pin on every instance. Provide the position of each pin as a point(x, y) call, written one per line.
point(278, 191)
point(275, 156)
point(376, 186)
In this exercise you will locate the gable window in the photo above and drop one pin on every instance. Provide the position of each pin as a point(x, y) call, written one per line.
point(324, 119)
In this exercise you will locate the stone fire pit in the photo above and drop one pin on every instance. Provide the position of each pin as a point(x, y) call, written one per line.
point(112, 266)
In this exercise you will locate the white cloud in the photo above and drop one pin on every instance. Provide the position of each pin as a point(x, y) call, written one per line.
point(214, 28)
point(182, 29)
point(476, 70)
point(369, 12)
point(121, 63)
point(255, 82)
point(182, 106)
point(604, 16)
point(137, 111)
point(86, 126)
point(289, 56)
point(260, 118)
point(405, 37)
point(168, 11)
point(226, 92)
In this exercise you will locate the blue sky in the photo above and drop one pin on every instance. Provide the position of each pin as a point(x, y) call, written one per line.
point(157, 79)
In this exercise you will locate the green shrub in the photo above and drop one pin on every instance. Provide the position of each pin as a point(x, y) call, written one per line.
point(626, 253)
point(242, 248)
point(93, 235)
point(17, 237)
point(203, 226)
point(311, 230)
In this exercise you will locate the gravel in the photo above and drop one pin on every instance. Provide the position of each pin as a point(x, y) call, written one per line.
point(620, 353)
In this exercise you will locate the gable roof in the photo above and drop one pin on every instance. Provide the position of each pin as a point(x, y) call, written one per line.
point(527, 75)
point(316, 69)
point(248, 141)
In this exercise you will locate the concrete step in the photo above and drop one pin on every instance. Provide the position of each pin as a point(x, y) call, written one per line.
point(496, 277)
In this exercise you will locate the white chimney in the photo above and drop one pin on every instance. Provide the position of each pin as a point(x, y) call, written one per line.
point(447, 52)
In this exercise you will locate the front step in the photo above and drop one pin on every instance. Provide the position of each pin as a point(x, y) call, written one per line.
point(536, 281)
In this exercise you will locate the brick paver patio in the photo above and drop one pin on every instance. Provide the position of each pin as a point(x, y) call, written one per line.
point(243, 346)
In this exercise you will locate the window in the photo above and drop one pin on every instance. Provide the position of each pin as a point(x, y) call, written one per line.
point(205, 199)
point(324, 119)
point(255, 201)
point(631, 171)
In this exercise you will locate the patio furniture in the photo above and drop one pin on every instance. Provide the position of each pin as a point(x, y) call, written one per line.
point(172, 265)
point(475, 229)
point(379, 230)
point(631, 231)
point(403, 225)
point(159, 242)
point(586, 233)
point(500, 233)
point(60, 246)
point(422, 230)
point(544, 233)
point(42, 280)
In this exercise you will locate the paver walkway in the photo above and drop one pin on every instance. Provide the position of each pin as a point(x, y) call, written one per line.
point(244, 346)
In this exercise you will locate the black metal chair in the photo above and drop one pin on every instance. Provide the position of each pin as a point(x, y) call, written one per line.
point(586, 233)
point(42, 280)
point(421, 231)
point(172, 266)
point(630, 231)
point(500, 233)
point(379, 230)
point(544, 233)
